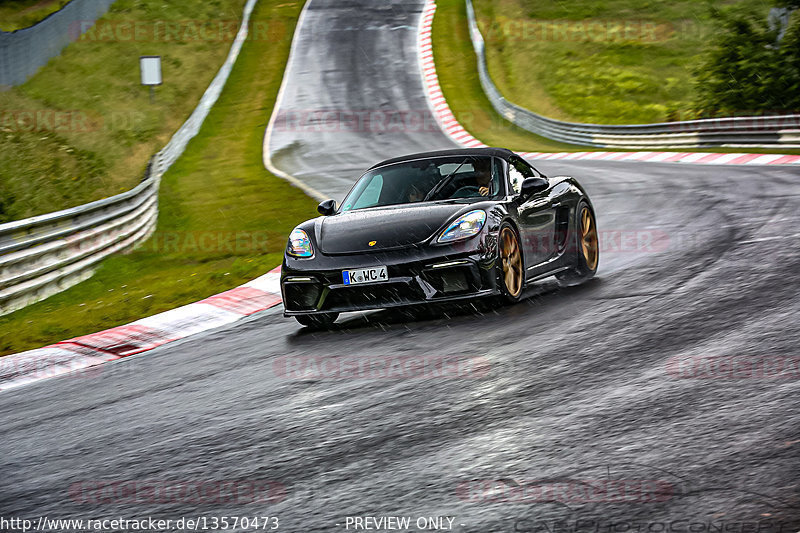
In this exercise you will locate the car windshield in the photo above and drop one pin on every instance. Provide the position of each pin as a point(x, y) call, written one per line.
point(424, 180)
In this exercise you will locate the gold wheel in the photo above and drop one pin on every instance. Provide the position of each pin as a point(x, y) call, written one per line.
point(589, 240)
point(511, 256)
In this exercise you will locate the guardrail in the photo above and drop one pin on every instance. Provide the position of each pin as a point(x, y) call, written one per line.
point(46, 254)
point(742, 132)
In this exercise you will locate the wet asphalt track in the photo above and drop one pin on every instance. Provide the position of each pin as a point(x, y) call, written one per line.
point(577, 384)
point(352, 94)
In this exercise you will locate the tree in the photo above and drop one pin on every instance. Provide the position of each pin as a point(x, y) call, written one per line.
point(745, 72)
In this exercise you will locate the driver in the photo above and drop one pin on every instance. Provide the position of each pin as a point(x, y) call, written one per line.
point(483, 175)
point(414, 194)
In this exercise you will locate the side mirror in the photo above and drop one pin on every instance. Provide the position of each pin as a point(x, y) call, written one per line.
point(532, 186)
point(328, 207)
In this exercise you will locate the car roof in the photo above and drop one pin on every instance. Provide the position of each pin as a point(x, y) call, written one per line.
point(504, 153)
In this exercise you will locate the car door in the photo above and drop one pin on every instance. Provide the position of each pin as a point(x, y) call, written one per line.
point(536, 218)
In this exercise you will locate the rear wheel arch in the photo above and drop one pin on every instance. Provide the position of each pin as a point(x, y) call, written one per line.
point(581, 269)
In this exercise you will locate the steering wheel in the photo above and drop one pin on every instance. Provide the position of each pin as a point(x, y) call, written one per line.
point(466, 191)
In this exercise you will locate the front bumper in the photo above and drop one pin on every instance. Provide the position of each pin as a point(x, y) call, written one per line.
point(307, 290)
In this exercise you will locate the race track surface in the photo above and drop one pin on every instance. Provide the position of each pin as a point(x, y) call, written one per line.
point(352, 94)
point(578, 387)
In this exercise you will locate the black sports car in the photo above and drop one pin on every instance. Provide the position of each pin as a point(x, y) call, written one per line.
point(437, 227)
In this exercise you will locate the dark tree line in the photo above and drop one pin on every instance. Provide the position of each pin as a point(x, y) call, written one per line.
point(746, 69)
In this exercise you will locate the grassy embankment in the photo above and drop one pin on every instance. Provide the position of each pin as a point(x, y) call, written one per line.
point(610, 62)
point(223, 219)
point(456, 68)
point(531, 72)
point(18, 14)
point(83, 127)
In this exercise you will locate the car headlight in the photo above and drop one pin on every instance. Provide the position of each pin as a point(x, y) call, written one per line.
point(299, 244)
point(464, 227)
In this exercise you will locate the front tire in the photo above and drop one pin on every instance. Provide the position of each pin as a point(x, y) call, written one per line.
point(320, 321)
point(587, 248)
point(512, 270)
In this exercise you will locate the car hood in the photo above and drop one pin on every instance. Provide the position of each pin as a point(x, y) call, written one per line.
point(386, 228)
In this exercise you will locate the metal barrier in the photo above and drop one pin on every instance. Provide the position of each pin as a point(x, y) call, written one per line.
point(24, 51)
point(742, 132)
point(46, 254)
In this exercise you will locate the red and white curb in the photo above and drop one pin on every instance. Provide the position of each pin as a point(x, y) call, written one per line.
point(702, 158)
point(461, 136)
point(436, 99)
point(143, 335)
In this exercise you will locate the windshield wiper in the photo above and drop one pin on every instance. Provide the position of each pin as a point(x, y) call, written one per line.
point(441, 185)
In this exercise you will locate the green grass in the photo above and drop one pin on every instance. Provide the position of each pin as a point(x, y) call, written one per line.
point(456, 67)
point(599, 61)
point(83, 128)
point(217, 191)
point(18, 14)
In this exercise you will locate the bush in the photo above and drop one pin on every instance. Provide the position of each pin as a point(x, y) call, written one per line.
point(745, 71)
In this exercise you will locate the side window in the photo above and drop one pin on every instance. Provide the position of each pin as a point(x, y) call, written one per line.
point(371, 193)
point(517, 172)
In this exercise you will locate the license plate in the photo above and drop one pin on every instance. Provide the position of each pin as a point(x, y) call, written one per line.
point(365, 275)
